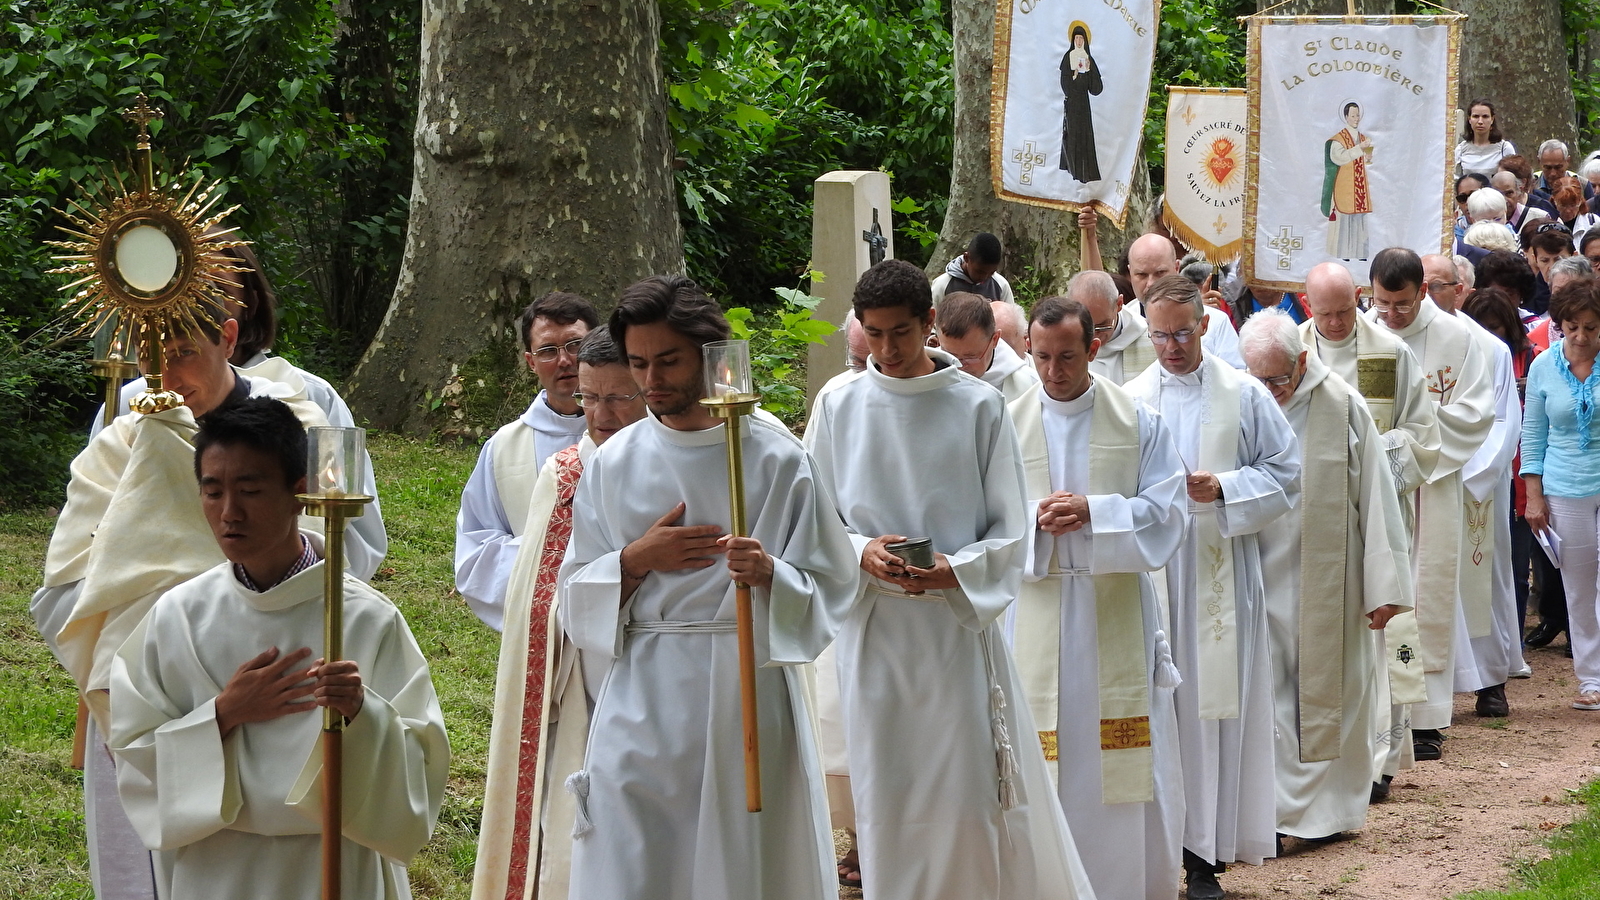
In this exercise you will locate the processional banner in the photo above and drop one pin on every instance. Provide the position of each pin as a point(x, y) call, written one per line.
point(1203, 204)
point(1070, 86)
point(1350, 123)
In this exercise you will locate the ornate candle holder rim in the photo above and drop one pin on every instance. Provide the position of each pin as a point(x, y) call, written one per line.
point(729, 406)
point(327, 506)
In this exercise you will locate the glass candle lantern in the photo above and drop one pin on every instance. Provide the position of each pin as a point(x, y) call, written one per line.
point(336, 461)
point(727, 372)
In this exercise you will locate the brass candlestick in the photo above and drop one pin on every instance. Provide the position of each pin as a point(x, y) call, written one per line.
point(336, 459)
point(730, 396)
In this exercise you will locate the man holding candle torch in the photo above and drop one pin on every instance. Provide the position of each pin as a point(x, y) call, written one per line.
point(224, 784)
point(661, 809)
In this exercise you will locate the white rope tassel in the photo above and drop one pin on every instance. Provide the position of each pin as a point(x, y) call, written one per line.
point(1005, 755)
point(1167, 674)
point(578, 786)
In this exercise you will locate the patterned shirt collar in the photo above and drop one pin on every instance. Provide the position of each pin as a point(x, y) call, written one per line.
point(308, 558)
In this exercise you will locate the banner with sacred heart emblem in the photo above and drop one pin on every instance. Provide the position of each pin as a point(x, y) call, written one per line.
point(1206, 137)
point(1070, 84)
point(1350, 127)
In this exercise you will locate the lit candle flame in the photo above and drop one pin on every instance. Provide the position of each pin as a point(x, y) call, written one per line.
point(333, 477)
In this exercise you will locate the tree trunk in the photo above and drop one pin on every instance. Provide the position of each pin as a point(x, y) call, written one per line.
point(1513, 53)
point(1041, 244)
point(543, 162)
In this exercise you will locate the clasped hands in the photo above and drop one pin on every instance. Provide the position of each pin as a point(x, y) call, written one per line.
point(669, 547)
point(877, 561)
point(1203, 487)
point(272, 684)
point(1063, 512)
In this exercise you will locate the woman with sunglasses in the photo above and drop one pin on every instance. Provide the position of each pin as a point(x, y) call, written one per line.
point(1484, 147)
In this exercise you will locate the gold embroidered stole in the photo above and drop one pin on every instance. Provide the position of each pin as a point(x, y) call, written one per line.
point(1214, 579)
point(1324, 555)
point(1126, 758)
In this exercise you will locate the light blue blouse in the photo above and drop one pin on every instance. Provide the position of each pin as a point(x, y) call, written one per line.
point(1558, 436)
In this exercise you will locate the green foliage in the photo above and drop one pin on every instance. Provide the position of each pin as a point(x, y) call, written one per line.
point(1580, 19)
point(779, 341)
point(1200, 42)
point(766, 96)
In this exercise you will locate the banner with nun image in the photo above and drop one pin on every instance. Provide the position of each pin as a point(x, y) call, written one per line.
point(1350, 141)
point(1070, 86)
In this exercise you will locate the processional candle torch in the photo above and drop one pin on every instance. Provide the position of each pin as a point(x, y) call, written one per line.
point(336, 471)
point(730, 396)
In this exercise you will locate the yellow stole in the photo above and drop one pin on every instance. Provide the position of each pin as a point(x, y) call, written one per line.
point(1126, 759)
point(1324, 553)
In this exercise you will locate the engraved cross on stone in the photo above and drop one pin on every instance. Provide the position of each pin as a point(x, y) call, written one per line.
point(142, 114)
point(1287, 243)
point(1029, 156)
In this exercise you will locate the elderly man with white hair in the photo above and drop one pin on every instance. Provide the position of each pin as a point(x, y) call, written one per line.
point(1518, 212)
point(1337, 570)
point(1011, 322)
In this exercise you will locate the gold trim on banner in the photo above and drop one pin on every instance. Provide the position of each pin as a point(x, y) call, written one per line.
point(999, 83)
point(1253, 25)
point(1213, 252)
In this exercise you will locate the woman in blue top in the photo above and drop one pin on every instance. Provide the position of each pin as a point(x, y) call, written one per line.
point(1561, 467)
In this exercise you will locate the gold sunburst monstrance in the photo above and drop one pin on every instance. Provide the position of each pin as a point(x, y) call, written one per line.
point(150, 262)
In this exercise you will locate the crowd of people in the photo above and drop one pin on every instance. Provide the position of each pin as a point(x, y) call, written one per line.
point(1091, 599)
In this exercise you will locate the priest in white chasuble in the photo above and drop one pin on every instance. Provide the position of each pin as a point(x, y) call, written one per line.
point(649, 580)
point(1389, 378)
point(1336, 570)
point(495, 499)
point(1243, 474)
point(215, 697)
point(1125, 348)
point(1488, 635)
point(951, 794)
point(541, 716)
point(1461, 386)
point(1105, 488)
point(106, 565)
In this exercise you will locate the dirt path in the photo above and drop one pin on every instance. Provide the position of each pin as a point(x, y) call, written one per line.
point(1457, 824)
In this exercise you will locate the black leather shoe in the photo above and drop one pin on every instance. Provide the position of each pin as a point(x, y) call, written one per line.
point(1492, 702)
point(1541, 635)
point(1204, 886)
point(1427, 744)
point(1380, 789)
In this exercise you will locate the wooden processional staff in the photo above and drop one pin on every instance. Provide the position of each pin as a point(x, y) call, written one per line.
point(336, 461)
point(730, 396)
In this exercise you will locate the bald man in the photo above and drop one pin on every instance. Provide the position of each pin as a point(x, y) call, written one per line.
point(1153, 257)
point(1488, 644)
point(1125, 349)
point(1385, 372)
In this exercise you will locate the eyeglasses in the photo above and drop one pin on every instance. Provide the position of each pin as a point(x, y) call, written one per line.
point(1401, 308)
point(590, 401)
point(1161, 337)
point(1462, 198)
point(1594, 262)
point(1553, 226)
point(1098, 329)
point(549, 352)
point(1441, 287)
point(1275, 380)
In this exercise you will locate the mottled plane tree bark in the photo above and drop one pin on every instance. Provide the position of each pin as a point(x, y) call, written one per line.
point(1514, 53)
point(1035, 238)
point(543, 162)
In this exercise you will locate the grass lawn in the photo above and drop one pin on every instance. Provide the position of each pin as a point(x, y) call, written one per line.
point(1573, 870)
point(42, 851)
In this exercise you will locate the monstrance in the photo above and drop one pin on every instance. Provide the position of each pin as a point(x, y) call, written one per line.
point(336, 461)
point(730, 396)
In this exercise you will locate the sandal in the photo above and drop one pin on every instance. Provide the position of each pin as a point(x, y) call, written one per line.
point(1587, 700)
point(849, 863)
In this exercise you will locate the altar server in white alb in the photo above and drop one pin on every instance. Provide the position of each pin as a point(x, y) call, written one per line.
point(1243, 474)
point(541, 717)
point(951, 793)
point(1125, 348)
point(254, 305)
point(1336, 571)
point(1488, 636)
point(649, 580)
point(96, 591)
point(1105, 489)
point(967, 329)
point(1461, 385)
point(494, 502)
point(214, 698)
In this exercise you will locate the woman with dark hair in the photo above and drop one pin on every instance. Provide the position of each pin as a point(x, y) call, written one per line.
point(1080, 78)
point(1485, 147)
point(1561, 465)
